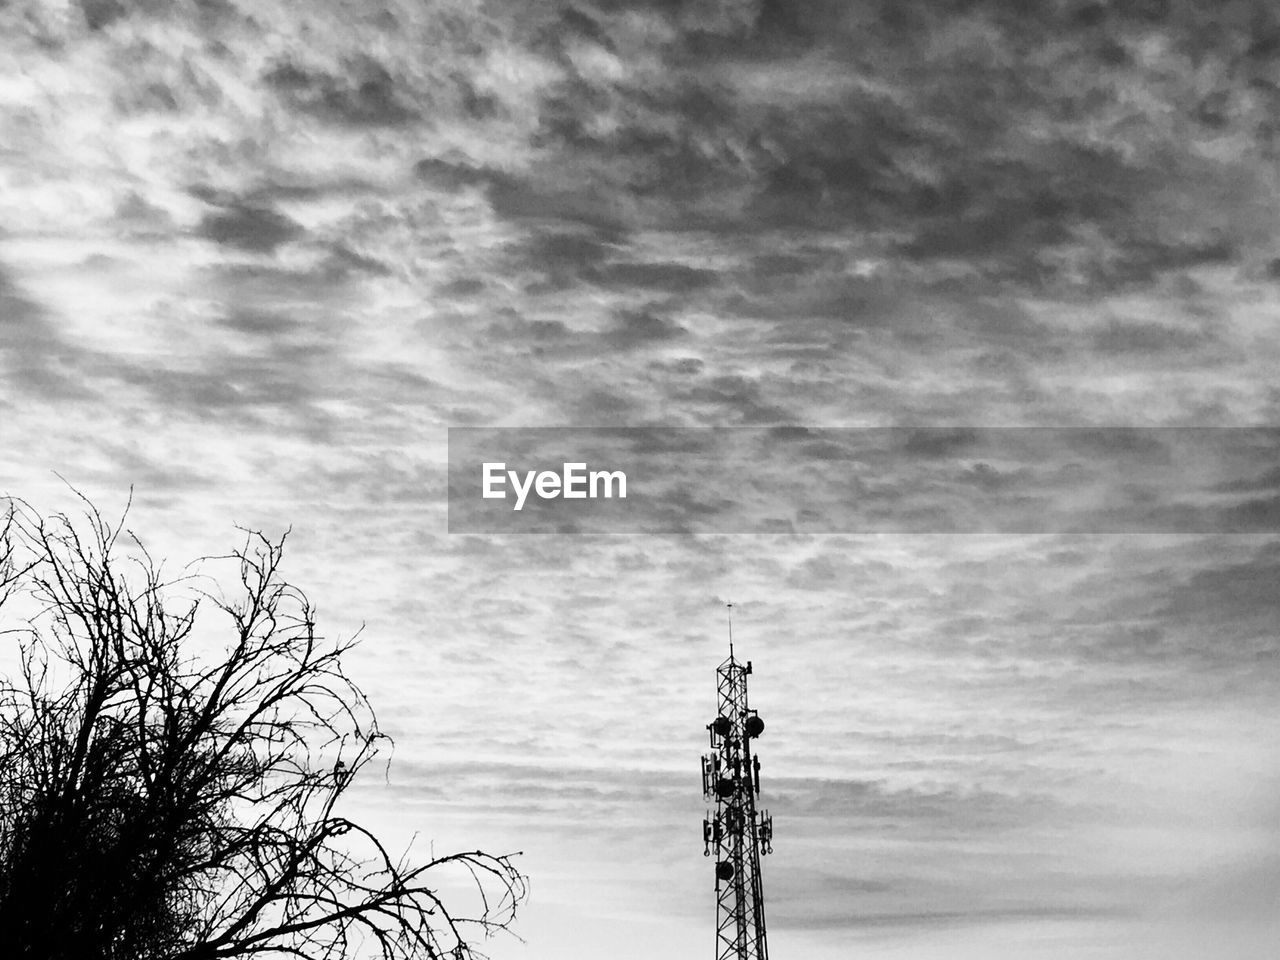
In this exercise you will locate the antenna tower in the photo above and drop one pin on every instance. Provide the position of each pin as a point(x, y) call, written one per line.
point(737, 835)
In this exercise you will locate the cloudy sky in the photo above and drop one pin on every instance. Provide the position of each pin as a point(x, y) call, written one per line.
point(257, 258)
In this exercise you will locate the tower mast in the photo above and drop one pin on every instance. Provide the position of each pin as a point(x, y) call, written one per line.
point(738, 835)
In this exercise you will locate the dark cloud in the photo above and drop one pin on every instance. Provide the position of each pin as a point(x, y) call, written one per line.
point(452, 174)
point(670, 277)
point(735, 399)
point(1135, 445)
point(1241, 593)
point(250, 228)
point(542, 199)
point(343, 262)
point(38, 358)
point(938, 443)
point(1175, 615)
point(574, 24)
point(364, 94)
point(136, 213)
point(637, 328)
point(842, 918)
point(960, 128)
point(564, 257)
point(101, 13)
point(234, 384)
point(1147, 338)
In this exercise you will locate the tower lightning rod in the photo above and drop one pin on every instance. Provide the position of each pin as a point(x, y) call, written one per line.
point(729, 607)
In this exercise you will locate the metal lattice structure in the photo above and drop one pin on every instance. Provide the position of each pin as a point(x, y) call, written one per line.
point(737, 835)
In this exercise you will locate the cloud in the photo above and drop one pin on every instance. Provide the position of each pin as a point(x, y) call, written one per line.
point(639, 328)
point(364, 94)
point(39, 359)
point(675, 278)
point(249, 228)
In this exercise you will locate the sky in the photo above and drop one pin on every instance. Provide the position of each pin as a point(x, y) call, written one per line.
point(256, 260)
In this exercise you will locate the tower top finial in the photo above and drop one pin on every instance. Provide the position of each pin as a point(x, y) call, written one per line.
point(729, 607)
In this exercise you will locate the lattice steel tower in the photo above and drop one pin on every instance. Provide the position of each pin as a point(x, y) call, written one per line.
point(737, 835)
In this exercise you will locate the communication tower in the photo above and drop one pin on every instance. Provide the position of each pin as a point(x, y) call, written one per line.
point(737, 835)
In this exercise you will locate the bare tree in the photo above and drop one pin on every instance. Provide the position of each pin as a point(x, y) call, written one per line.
point(157, 805)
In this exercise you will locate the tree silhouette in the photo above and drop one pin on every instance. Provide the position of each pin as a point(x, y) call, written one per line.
point(160, 805)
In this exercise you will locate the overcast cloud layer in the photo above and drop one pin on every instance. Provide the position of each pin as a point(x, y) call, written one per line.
point(255, 259)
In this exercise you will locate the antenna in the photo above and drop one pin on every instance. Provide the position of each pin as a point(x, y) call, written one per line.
point(738, 835)
point(729, 607)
